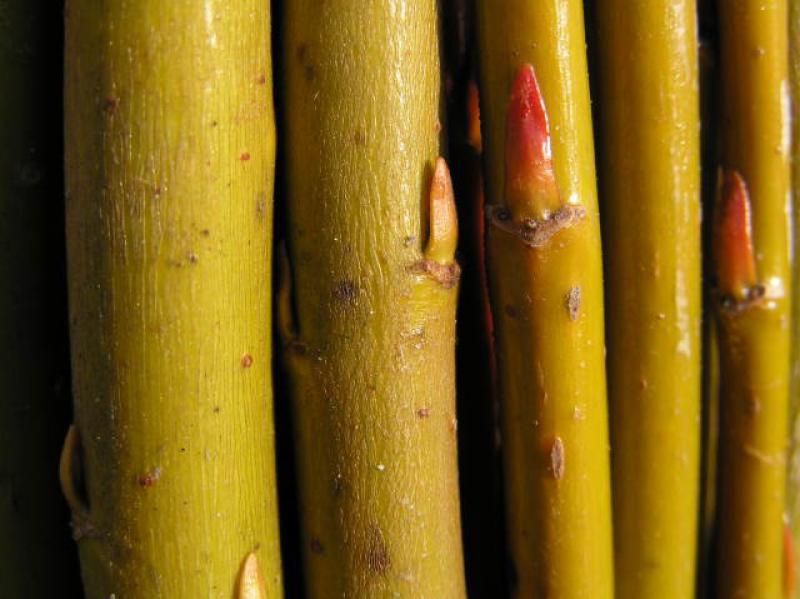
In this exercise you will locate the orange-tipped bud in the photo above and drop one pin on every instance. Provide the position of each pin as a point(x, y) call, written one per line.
point(251, 583)
point(530, 185)
point(474, 116)
point(733, 242)
point(443, 234)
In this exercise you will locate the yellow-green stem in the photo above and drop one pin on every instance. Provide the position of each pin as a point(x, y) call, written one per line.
point(752, 452)
point(650, 196)
point(754, 333)
point(371, 352)
point(547, 300)
point(170, 157)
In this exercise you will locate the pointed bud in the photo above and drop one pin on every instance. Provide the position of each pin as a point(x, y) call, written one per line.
point(733, 243)
point(251, 583)
point(69, 472)
point(530, 186)
point(474, 118)
point(443, 220)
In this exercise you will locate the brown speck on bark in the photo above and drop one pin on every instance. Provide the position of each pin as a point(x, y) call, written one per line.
point(377, 555)
point(247, 361)
point(192, 257)
point(244, 156)
point(213, 124)
point(205, 232)
point(643, 384)
point(573, 303)
point(110, 105)
point(423, 413)
point(557, 458)
point(360, 137)
point(316, 546)
point(216, 409)
point(437, 126)
point(345, 291)
point(511, 311)
point(261, 79)
point(149, 479)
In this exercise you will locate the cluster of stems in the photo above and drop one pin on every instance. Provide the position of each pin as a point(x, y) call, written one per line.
point(618, 480)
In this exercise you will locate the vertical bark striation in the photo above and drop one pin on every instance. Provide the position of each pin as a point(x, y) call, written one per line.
point(170, 158)
point(371, 351)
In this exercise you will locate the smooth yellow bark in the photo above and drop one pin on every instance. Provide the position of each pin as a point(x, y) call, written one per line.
point(754, 341)
point(548, 308)
point(170, 157)
point(650, 197)
point(752, 453)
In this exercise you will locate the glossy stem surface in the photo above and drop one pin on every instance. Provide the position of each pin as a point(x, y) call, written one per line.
point(170, 158)
point(754, 334)
point(650, 200)
point(547, 300)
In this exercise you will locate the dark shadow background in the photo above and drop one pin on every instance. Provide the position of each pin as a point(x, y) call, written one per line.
point(37, 555)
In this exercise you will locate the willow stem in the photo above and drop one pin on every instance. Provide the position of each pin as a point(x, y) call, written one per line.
point(650, 192)
point(546, 293)
point(371, 356)
point(753, 309)
point(170, 158)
